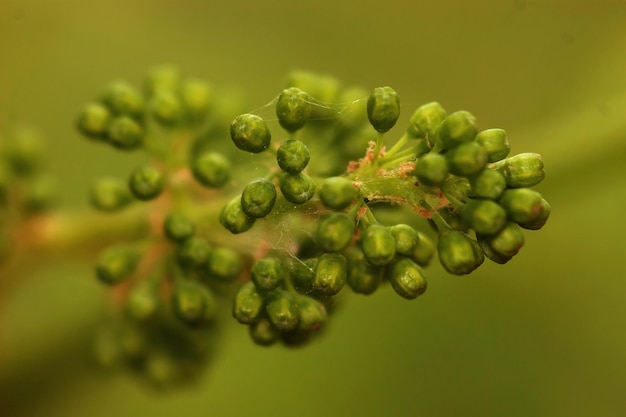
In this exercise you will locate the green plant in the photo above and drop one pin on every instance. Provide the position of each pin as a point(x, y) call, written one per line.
point(312, 198)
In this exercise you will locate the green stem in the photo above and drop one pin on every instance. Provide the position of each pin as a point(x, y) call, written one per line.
point(379, 145)
point(399, 144)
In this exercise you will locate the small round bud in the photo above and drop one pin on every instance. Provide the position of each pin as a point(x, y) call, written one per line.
point(248, 304)
point(424, 250)
point(335, 232)
point(406, 238)
point(363, 278)
point(268, 274)
point(486, 217)
point(196, 95)
point(233, 218)
point(123, 99)
point(495, 143)
point(39, 194)
point(146, 183)
point(282, 310)
point(383, 108)
point(378, 244)
point(488, 183)
point(193, 303)
point(178, 227)
point(194, 252)
point(143, 301)
point(313, 314)
point(523, 205)
point(459, 127)
point(425, 120)
point(293, 108)
point(125, 133)
point(225, 264)
point(406, 278)
point(116, 264)
point(467, 159)
point(337, 193)
point(264, 333)
point(25, 152)
point(297, 189)
point(258, 198)
point(93, 120)
point(331, 273)
point(162, 77)
point(541, 219)
point(250, 133)
point(293, 156)
point(431, 169)
point(303, 274)
point(501, 247)
point(211, 169)
point(166, 108)
point(523, 170)
point(110, 194)
point(459, 254)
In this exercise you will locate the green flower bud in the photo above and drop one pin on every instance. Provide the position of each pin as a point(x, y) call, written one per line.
point(250, 133)
point(293, 156)
point(264, 333)
point(146, 183)
point(225, 263)
point(383, 108)
point(293, 108)
point(337, 193)
point(123, 99)
point(196, 95)
point(424, 251)
point(162, 77)
point(268, 274)
point(467, 159)
point(425, 120)
point(25, 152)
point(194, 252)
point(331, 273)
point(459, 127)
point(522, 204)
point(458, 253)
point(258, 198)
point(178, 227)
point(488, 184)
point(93, 120)
point(501, 247)
point(362, 278)
point(211, 169)
point(248, 304)
point(233, 218)
point(143, 301)
point(431, 169)
point(523, 170)
point(495, 143)
point(303, 274)
point(297, 189)
point(125, 133)
point(115, 264)
point(378, 244)
point(541, 219)
point(335, 232)
point(313, 314)
point(193, 303)
point(486, 217)
point(109, 194)
point(40, 194)
point(406, 238)
point(166, 108)
point(457, 187)
point(282, 310)
point(406, 278)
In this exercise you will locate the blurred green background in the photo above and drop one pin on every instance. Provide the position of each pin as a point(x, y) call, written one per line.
point(544, 335)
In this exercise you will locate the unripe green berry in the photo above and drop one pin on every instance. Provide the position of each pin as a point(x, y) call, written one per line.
point(196, 95)
point(125, 133)
point(264, 333)
point(383, 108)
point(178, 227)
point(495, 143)
point(431, 169)
point(194, 252)
point(406, 238)
point(424, 251)
point(250, 133)
point(248, 304)
point(523, 205)
point(467, 159)
point(335, 232)
point(109, 194)
point(337, 193)
point(258, 198)
point(193, 303)
point(459, 254)
point(225, 264)
point(523, 170)
point(406, 278)
point(488, 183)
point(297, 189)
point(211, 169)
point(116, 264)
point(313, 314)
point(166, 108)
point(282, 310)
point(93, 120)
point(486, 217)
point(502, 246)
point(459, 127)
point(293, 156)
point(146, 183)
point(425, 120)
point(293, 108)
point(331, 274)
point(233, 218)
point(123, 99)
point(268, 274)
point(362, 278)
point(378, 244)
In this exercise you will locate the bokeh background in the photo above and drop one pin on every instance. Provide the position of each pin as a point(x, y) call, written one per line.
point(544, 335)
